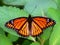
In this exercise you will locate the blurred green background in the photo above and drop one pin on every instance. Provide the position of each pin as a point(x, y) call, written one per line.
point(10, 9)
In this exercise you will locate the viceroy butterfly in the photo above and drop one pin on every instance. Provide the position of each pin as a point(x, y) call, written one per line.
point(26, 26)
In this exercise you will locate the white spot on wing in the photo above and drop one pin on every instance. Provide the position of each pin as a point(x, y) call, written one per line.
point(47, 20)
point(12, 21)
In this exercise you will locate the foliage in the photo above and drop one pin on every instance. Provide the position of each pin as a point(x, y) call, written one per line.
point(10, 9)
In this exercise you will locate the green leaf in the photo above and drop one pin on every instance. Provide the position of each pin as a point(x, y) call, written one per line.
point(35, 43)
point(4, 40)
point(35, 7)
point(26, 42)
point(58, 4)
point(12, 37)
point(2, 31)
point(31, 38)
point(9, 13)
point(54, 14)
point(15, 2)
point(46, 33)
point(46, 42)
point(55, 36)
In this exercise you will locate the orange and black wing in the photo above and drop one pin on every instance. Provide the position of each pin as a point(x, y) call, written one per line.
point(35, 29)
point(24, 31)
point(43, 22)
point(20, 25)
point(40, 23)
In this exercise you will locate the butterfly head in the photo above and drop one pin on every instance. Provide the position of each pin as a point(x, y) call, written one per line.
point(29, 18)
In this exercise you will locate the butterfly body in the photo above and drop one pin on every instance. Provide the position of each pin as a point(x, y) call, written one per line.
point(30, 26)
point(29, 19)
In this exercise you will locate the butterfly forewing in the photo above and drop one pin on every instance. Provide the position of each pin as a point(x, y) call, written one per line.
point(24, 31)
point(16, 23)
point(35, 29)
point(43, 22)
point(19, 22)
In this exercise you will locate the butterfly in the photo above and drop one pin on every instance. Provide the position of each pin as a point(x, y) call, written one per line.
point(30, 26)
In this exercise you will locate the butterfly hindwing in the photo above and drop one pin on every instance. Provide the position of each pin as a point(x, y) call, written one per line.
point(24, 31)
point(35, 29)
